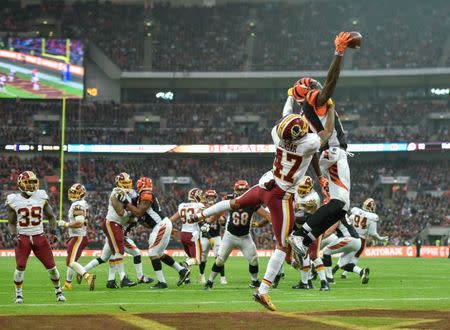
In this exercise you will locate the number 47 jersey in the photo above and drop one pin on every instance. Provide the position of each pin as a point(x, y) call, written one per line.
point(29, 212)
point(365, 222)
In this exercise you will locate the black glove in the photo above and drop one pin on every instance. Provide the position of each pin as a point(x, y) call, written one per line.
point(123, 199)
point(130, 226)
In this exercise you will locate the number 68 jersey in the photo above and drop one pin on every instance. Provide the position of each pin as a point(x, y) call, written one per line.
point(29, 211)
point(365, 222)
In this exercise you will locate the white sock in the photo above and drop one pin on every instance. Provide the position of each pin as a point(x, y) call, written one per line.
point(191, 261)
point(160, 276)
point(177, 266)
point(111, 271)
point(78, 268)
point(275, 263)
point(212, 276)
point(93, 263)
point(120, 268)
point(254, 276)
point(329, 272)
point(217, 208)
point(69, 275)
point(357, 270)
point(138, 268)
point(304, 274)
point(320, 269)
point(18, 280)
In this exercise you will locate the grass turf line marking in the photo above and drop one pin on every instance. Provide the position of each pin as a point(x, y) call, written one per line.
point(406, 324)
point(221, 302)
point(140, 322)
point(320, 320)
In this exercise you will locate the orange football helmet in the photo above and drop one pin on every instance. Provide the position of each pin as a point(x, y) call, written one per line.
point(369, 205)
point(240, 187)
point(28, 182)
point(76, 192)
point(195, 195)
point(124, 181)
point(211, 196)
point(144, 183)
point(305, 186)
point(292, 127)
point(302, 87)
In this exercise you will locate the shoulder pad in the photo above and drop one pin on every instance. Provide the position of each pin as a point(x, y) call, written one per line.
point(41, 194)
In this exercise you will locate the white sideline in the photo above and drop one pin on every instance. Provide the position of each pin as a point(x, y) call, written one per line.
point(221, 302)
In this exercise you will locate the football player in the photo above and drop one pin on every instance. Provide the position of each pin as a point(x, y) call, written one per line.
point(190, 232)
point(113, 227)
point(348, 243)
point(78, 217)
point(150, 215)
point(365, 222)
point(237, 235)
point(307, 201)
point(211, 238)
point(315, 102)
point(295, 148)
point(26, 210)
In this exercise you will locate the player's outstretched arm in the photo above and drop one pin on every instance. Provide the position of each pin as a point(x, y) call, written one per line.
point(341, 42)
point(48, 212)
point(175, 217)
point(328, 130)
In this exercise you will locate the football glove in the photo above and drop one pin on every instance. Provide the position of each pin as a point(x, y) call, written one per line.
point(62, 223)
point(123, 198)
point(341, 43)
point(323, 182)
point(205, 228)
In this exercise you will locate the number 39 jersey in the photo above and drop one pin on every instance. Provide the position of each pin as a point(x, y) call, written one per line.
point(365, 222)
point(186, 209)
point(238, 221)
point(30, 212)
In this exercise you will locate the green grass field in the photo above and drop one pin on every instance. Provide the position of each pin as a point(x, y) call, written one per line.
point(399, 284)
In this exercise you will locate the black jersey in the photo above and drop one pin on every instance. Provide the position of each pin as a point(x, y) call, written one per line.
point(214, 229)
point(239, 221)
point(154, 214)
point(345, 229)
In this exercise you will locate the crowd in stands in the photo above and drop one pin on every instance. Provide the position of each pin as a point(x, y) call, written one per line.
point(211, 123)
point(266, 36)
point(402, 215)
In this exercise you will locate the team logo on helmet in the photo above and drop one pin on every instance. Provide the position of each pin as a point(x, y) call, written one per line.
point(28, 182)
point(292, 127)
point(302, 87)
point(305, 186)
point(196, 195)
point(369, 205)
point(143, 184)
point(76, 192)
point(240, 187)
point(211, 196)
point(124, 181)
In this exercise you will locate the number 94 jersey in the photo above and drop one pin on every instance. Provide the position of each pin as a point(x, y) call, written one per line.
point(238, 221)
point(187, 209)
point(365, 222)
point(30, 212)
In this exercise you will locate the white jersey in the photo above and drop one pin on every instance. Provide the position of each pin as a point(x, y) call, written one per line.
point(309, 203)
point(82, 206)
point(292, 160)
point(186, 209)
point(365, 222)
point(29, 211)
point(112, 214)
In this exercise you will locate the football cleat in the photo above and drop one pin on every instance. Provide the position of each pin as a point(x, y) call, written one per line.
point(184, 275)
point(324, 286)
point(111, 284)
point(330, 280)
point(254, 284)
point(344, 276)
point(19, 300)
point(209, 285)
point(145, 280)
point(60, 297)
point(310, 285)
point(223, 280)
point(202, 279)
point(127, 282)
point(159, 285)
point(187, 281)
point(276, 281)
point(301, 285)
point(365, 275)
point(296, 243)
point(90, 280)
point(79, 278)
point(67, 286)
point(265, 300)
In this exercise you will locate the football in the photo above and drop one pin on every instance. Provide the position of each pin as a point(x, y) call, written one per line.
point(356, 40)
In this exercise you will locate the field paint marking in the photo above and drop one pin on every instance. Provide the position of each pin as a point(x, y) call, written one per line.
point(141, 322)
point(320, 320)
point(406, 324)
point(221, 302)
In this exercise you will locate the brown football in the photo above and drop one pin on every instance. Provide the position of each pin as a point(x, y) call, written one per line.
point(356, 40)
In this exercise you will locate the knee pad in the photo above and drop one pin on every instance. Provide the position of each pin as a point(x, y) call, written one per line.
point(137, 259)
point(220, 261)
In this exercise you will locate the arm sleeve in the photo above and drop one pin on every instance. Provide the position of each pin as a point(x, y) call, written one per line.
point(275, 138)
point(288, 106)
point(372, 230)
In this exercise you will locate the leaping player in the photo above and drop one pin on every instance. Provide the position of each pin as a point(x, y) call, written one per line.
point(26, 210)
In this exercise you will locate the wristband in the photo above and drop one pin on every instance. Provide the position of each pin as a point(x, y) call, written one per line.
point(66, 224)
point(337, 53)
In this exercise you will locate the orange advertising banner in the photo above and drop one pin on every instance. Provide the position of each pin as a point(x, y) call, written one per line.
point(370, 252)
